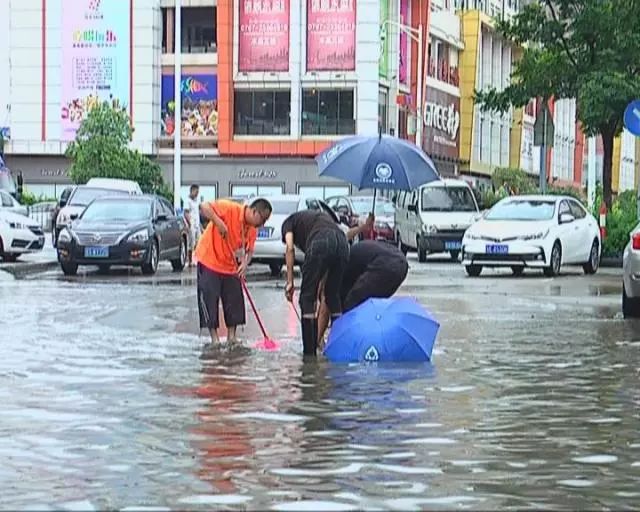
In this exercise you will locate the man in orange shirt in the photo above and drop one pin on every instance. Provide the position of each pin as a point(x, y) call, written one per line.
point(223, 254)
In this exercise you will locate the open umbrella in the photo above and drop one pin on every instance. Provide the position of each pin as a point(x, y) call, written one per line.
point(379, 162)
point(383, 330)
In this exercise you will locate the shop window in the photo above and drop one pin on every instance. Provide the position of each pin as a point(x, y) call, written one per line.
point(322, 192)
point(199, 29)
point(262, 112)
point(256, 190)
point(383, 110)
point(328, 112)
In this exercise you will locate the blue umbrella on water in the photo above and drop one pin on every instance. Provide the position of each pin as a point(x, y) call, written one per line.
point(379, 162)
point(383, 330)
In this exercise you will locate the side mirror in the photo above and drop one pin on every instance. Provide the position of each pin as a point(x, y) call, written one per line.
point(413, 208)
point(566, 218)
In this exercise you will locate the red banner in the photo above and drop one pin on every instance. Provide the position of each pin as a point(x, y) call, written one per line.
point(331, 35)
point(263, 42)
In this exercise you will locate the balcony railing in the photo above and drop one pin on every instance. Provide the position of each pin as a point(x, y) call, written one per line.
point(444, 72)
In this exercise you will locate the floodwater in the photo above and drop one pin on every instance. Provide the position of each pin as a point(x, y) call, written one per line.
point(110, 401)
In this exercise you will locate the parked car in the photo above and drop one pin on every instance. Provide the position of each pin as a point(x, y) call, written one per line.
point(353, 210)
point(77, 201)
point(269, 248)
point(18, 235)
point(9, 203)
point(434, 217)
point(538, 231)
point(129, 186)
point(631, 276)
point(42, 213)
point(128, 230)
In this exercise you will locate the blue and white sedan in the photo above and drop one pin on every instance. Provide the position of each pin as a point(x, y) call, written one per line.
point(538, 231)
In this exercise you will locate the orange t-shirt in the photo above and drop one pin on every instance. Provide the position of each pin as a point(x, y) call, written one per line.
point(218, 254)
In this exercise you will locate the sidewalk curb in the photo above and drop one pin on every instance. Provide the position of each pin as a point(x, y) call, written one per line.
point(611, 262)
point(25, 269)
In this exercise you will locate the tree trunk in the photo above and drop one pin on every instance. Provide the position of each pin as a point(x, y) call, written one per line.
point(607, 166)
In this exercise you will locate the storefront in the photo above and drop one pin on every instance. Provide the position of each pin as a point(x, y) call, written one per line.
point(441, 139)
point(44, 176)
point(223, 177)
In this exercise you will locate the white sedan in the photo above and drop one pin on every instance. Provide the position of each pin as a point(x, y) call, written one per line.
point(19, 235)
point(543, 232)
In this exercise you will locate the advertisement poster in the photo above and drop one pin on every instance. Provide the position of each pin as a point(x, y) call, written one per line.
point(96, 55)
point(442, 124)
point(199, 95)
point(383, 62)
point(331, 35)
point(263, 39)
point(403, 63)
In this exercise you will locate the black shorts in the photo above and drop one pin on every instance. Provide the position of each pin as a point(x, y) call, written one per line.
point(213, 286)
point(326, 255)
point(378, 281)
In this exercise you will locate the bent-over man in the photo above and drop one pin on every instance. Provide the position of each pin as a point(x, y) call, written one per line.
point(223, 253)
point(326, 254)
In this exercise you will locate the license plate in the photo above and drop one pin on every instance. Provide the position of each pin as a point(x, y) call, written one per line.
point(264, 233)
point(96, 252)
point(497, 249)
point(452, 246)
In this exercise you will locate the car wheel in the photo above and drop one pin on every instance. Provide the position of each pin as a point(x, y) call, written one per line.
point(151, 266)
point(69, 269)
point(555, 261)
point(630, 305)
point(104, 269)
point(473, 270)
point(422, 253)
point(454, 255)
point(275, 269)
point(517, 271)
point(591, 266)
point(403, 248)
point(179, 263)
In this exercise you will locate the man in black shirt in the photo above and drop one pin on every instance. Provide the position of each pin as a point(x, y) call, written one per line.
point(326, 253)
point(375, 269)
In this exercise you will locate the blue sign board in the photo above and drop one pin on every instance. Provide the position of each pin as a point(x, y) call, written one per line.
point(199, 95)
point(632, 117)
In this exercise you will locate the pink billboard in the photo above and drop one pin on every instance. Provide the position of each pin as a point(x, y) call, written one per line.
point(331, 35)
point(263, 40)
point(403, 64)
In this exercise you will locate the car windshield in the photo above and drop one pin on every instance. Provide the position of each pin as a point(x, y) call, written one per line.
point(117, 210)
point(84, 195)
point(7, 182)
point(447, 199)
point(283, 206)
point(522, 210)
point(362, 206)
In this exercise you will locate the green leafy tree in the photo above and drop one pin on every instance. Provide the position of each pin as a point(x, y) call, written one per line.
point(101, 150)
point(583, 49)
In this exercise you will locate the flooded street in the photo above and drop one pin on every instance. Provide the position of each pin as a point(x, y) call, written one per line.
point(110, 401)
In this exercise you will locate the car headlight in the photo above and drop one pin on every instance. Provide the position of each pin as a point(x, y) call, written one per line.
point(65, 236)
point(471, 236)
point(428, 228)
point(139, 236)
point(535, 236)
point(17, 225)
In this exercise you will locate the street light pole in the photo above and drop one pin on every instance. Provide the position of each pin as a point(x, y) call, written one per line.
point(177, 100)
point(417, 36)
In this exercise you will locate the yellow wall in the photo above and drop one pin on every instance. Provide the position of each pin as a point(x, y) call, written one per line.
point(515, 142)
point(615, 164)
point(468, 71)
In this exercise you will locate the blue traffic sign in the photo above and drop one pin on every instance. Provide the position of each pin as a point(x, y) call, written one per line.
point(632, 117)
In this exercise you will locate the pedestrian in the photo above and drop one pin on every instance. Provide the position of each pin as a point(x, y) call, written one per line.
point(223, 253)
point(326, 252)
point(192, 215)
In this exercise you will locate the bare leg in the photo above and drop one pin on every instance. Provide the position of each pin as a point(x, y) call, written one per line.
point(323, 323)
point(214, 336)
point(231, 334)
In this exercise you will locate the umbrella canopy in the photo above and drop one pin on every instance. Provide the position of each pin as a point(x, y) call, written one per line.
point(380, 162)
point(385, 330)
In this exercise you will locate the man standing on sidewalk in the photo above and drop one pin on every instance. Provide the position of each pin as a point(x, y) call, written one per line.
point(223, 254)
point(192, 211)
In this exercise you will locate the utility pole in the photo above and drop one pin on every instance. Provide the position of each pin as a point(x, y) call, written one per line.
point(177, 111)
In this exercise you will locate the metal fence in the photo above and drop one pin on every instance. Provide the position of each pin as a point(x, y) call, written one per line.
point(42, 213)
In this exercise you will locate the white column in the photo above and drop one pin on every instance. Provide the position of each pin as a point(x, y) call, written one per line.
point(367, 55)
point(591, 171)
point(177, 133)
point(297, 61)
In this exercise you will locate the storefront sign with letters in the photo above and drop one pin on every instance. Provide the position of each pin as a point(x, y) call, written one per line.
point(257, 174)
point(442, 124)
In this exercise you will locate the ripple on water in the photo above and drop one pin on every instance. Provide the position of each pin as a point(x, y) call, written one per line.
point(596, 459)
point(313, 505)
point(577, 483)
point(216, 499)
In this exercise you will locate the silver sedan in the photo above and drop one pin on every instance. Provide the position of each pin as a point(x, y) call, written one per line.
point(631, 276)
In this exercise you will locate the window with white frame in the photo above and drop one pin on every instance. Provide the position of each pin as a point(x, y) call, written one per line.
point(242, 190)
point(323, 191)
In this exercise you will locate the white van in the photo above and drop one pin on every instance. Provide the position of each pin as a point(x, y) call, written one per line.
point(129, 186)
point(434, 217)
